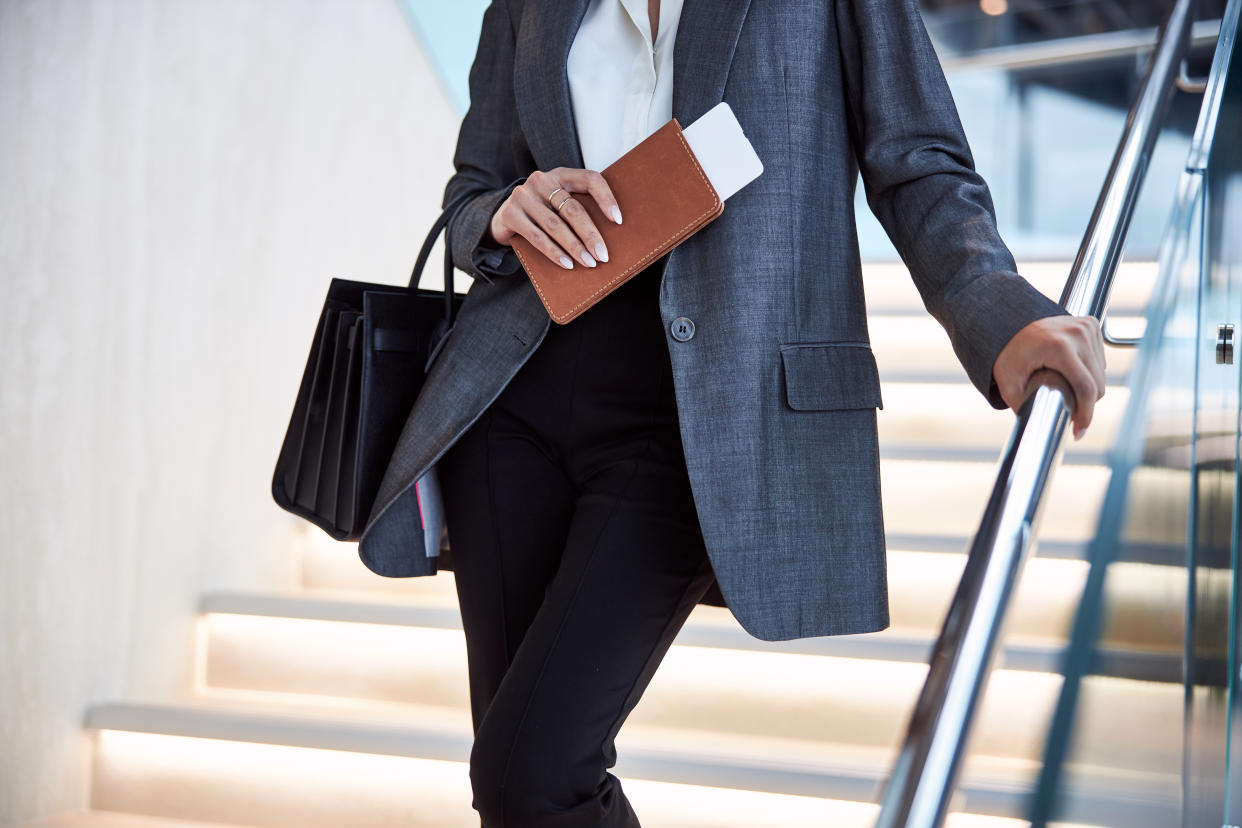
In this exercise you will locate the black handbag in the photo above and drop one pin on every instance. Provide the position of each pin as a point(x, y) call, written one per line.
point(367, 364)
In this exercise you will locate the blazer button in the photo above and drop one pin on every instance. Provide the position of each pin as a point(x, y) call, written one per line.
point(682, 328)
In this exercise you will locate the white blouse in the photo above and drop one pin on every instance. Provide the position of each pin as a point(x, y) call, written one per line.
point(620, 84)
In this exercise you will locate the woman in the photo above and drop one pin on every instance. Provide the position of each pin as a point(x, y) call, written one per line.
point(714, 418)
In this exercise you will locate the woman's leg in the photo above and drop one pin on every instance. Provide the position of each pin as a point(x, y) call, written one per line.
point(507, 507)
point(633, 567)
point(578, 557)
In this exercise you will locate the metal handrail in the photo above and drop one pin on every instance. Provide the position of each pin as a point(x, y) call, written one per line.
point(1079, 49)
point(1214, 91)
point(925, 772)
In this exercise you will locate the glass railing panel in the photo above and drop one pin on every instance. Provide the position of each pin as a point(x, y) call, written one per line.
point(1210, 681)
point(1156, 724)
point(1115, 746)
point(1221, 389)
point(1122, 774)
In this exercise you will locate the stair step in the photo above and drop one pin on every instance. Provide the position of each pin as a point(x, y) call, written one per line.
point(1143, 620)
point(283, 763)
point(332, 570)
point(948, 498)
point(775, 693)
point(923, 417)
point(909, 347)
point(1142, 632)
point(889, 288)
point(1071, 457)
point(111, 819)
point(938, 497)
point(330, 567)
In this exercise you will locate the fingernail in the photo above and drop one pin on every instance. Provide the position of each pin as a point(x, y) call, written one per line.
point(1078, 432)
point(587, 260)
point(601, 252)
point(567, 263)
point(616, 214)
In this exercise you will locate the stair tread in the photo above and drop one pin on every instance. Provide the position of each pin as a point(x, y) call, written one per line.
point(114, 819)
point(712, 627)
point(945, 418)
point(949, 497)
point(1072, 456)
point(332, 568)
point(758, 763)
point(916, 344)
point(269, 784)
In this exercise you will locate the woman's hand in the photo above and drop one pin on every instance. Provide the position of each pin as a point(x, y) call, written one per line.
point(531, 211)
point(1070, 345)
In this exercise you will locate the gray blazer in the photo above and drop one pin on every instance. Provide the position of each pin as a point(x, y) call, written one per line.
point(777, 389)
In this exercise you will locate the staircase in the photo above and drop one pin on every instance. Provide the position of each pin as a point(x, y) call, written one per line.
point(344, 703)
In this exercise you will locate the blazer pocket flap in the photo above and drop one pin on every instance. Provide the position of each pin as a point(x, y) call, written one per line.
point(830, 375)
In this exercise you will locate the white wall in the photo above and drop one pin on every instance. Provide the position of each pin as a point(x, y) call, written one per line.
point(178, 181)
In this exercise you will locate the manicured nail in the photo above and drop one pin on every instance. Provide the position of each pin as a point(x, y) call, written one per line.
point(616, 214)
point(587, 260)
point(567, 263)
point(1078, 432)
point(601, 251)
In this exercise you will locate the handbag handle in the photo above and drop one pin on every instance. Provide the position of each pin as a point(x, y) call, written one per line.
point(425, 252)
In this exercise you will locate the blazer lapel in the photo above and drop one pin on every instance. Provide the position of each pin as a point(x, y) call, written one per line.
point(540, 82)
point(706, 38)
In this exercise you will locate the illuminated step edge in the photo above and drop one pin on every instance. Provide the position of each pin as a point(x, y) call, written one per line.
point(332, 568)
point(371, 791)
point(1159, 554)
point(989, 787)
point(279, 786)
point(696, 690)
point(949, 498)
point(111, 819)
point(979, 454)
point(329, 562)
point(918, 344)
point(947, 376)
point(929, 416)
point(889, 645)
point(1064, 549)
point(143, 772)
point(923, 574)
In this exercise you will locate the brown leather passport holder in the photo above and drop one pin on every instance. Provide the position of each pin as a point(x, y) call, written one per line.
point(665, 198)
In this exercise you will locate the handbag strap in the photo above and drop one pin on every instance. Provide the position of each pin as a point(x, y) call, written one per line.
point(425, 253)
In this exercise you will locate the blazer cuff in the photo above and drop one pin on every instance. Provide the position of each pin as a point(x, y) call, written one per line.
point(473, 251)
point(495, 260)
point(987, 313)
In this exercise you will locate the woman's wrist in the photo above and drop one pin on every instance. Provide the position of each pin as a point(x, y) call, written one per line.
point(491, 256)
point(489, 234)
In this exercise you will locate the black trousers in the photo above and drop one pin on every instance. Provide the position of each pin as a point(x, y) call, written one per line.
point(577, 555)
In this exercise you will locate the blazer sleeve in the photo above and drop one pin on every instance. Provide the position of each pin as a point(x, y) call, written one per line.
point(920, 181)
point(489, 145)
